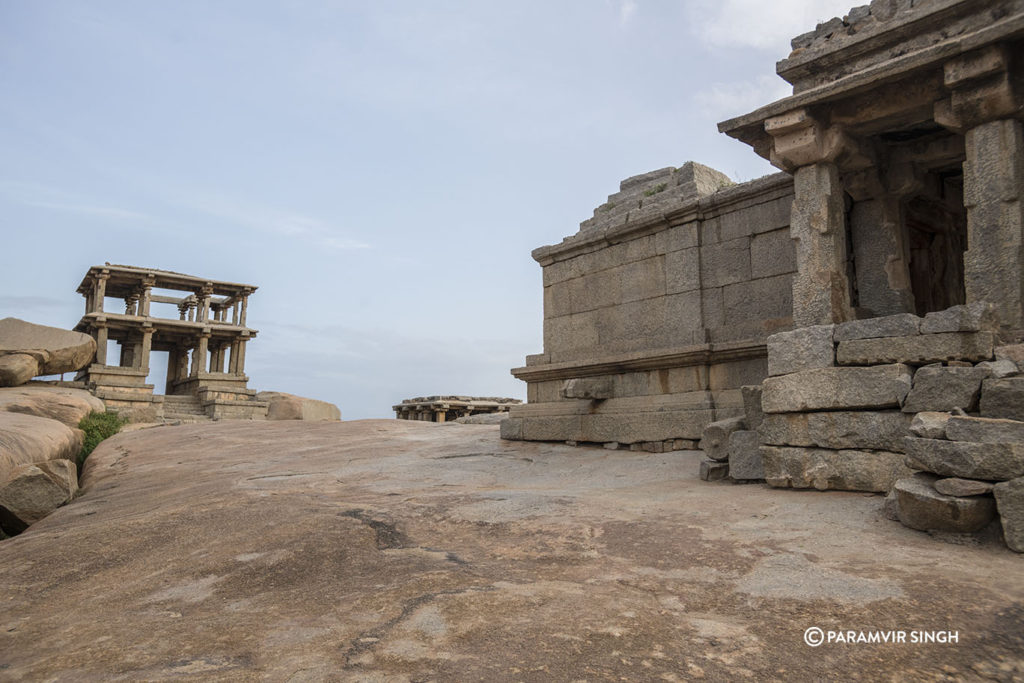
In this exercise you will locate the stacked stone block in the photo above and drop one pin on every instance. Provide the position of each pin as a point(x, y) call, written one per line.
point(731, 446)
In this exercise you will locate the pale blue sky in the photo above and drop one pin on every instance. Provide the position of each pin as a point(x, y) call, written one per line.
point(380, 169)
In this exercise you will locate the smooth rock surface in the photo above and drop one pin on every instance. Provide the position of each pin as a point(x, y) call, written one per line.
point(1002, 398)
point(54, 349)
point(937, 388)
point(922, 507)
point(987, 461)
point(823, 469)
point(1010, 503)
point(388, 550)
point(801, 349)
point(917, 350)
point(745, 461)
point(27, 439)
point(57, 403)
point(882, 386)
point(984, 430)
point(481, 419)
point(17, 369)
point(30, 493)
point(928, 425)
point(282, 406)
point(955, 486)
point(857, 429)
point(715, 440)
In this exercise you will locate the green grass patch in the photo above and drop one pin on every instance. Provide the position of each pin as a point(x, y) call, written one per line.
point(97, 427)
point(661, 187)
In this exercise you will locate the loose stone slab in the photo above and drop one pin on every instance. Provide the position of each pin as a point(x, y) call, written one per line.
point(822, 469)
point(802, 349)
point(899, 325)
point(882, 386)
point(984, 430)
point(1010, 502)
point(1010, 352)
point(922, 507)
point(929, 425)
point(968, 460)
point(715, 441)
point(17, 369)
point(998, 369)
point(28, 495)
point(713, 471)
point(875, 430)
point(917, 350)
point(1003, 398)
point(976, 317)
point(752, 405)
point(745, 461)
point(938, 388)
point(955, 486)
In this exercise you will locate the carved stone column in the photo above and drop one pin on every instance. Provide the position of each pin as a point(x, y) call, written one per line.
point(101, 343)
point(147, 344)
point(99, 291)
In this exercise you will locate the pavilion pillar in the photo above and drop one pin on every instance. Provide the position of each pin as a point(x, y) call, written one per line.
point(130, 303)
point(985, 103)
point(241, 357)
point(233, 359)
point(101, 344)
point(439, 415)
point(147, 290)
point(199, 354)
point(99, 291)
point(245, 306)
point(144, 348)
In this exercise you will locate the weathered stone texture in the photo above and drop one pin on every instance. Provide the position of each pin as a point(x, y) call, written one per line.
point(17, 369)
point(955, 486)
point(938, 388)
point(882, 386)
point(922, 507)
point(711, 470)
point(1010, 502)
point(588, 388)
point(984, 430)
point(900, 325)
point(849, 470)
point(1003, 398)
point(997, 369)
point(282, 406)
point(64, 405)
point(27, 439)
point(752, 413)
point(55, 350)
point(883, 281)
point(802, 349)
point(964, 459)
point(917, 350)
point(976, 317)
point(745, 462)
point(715, 439)
point(31, 492)
point(876, 430)
point(928, 425)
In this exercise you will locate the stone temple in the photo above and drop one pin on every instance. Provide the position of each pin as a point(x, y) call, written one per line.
point(820, 327)
point(205, 336)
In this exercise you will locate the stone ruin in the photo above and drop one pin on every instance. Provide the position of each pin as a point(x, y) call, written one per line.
point(851, 323)
point(450, 408)
point(206, 344)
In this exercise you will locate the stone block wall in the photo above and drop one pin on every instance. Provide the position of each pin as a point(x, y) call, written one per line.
point(664, 298)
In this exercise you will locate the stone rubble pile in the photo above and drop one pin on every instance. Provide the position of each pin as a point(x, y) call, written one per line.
point(731, 445)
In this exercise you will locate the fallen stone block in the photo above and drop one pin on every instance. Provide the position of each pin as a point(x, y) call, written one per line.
point(802, 349)
point(752, 412)
point(873, 430)
point(512, 429)
point(997, 369)
point(1010, 503)
point(984, 430)
point(938, 388)
point(975, 317)
point(54, 350)
point(745, 461)
point(955, 486)
point(922, 507)
point(282, 406)
point(917, 350)
point(17, 369)
point(929, 425)
point(715, 440)
point(967, 460)
point(1002, 398)
point(899, 325)
point(28, 495)
point(822, 469)
point(711, 470)
point(883, 386)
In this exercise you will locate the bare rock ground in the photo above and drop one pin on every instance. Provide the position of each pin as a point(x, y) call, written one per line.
point(392, 550)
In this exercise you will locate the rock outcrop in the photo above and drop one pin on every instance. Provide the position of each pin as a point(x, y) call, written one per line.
point(57, 403)
point(282, 406)
point(31, 492)
point(27, 440)
point(28, 350)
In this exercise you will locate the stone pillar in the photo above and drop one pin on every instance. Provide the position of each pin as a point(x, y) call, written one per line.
point(241, 357)
point(144, 301)
point(233, 359)
point(99, 291)
point(127, 354)
point(234, 313)
point(130, 304)
point(881, 256)
point(199, 355)
point(182, 370)
point(245, 306)
point(182, 311)
point(821, 290)
point(439, 415)
point(144, 348)
point(173, 369)
point(993, 189)
point(101, 344)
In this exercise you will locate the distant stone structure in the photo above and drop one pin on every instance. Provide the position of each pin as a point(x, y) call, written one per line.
point(448, 408)
point(206, 343)
point(854, 323)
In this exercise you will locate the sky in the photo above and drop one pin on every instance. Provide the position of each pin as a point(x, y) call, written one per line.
point(380, 169)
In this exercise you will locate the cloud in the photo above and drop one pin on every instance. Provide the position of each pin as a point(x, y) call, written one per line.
point(725, 100)
point(627, 8)
point(758, 24)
